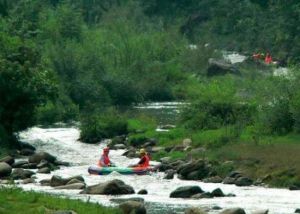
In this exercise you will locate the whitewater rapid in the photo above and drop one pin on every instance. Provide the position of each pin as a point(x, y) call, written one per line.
point(63, 143)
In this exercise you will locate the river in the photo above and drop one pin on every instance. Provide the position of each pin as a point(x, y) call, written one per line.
point(63, 143)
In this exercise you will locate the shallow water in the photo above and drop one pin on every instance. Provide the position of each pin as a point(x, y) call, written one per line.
point(63, 143)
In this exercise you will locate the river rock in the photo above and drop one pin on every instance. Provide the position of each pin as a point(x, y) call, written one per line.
point(5, 169)
point(229, 180)
point(21, 174)
point(194, 210)
point(131, 207)
point(5, 182)
point(74, 181)
point(119, 146)
point(216, 208)
point(29, 166)
point(117, 140)
point(157, 149)
point(195, 170)
point(143, 192)
point(243, 181)
point(121, 200)
point(261, 212)
point(44, 170)
point(294, 187)
point(233, 211)
point(131, 153)
point(8, 159)
point(165, 160)
point(25, 145)
point(26, 152)
point(43, 164)
point(217, 193)
point(19, 164)
point(72, 186)
point(214, 179)
point(186, 192)
point(114, 187)
point(59, 181)
point(61, 163)
point(169, 174)
point(28, 181)
point(45, 182)
point(36, 158)
point(202, 195)
point(297, 211)
point(220, 67)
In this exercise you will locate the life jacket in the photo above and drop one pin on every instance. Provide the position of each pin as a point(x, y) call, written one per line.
point(146, 162)
point(104, 159)
point(268, 59)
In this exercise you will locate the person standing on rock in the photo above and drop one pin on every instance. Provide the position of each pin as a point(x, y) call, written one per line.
point(104, 160)
point(144, 161)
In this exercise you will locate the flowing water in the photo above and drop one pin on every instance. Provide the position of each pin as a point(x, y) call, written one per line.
point(63, 143)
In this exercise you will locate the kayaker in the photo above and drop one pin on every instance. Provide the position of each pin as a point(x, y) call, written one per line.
point(144, 159)
point(104, 160)
point(268, 59)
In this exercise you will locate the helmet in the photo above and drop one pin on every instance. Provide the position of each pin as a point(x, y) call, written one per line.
point(142, 151)
point(106, 149)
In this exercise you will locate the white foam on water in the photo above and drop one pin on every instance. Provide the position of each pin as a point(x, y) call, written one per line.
point(64, 144)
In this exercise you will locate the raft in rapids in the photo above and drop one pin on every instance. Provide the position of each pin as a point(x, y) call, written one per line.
point(96, 170)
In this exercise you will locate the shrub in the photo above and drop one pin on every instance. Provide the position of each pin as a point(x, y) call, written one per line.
point(99, 126)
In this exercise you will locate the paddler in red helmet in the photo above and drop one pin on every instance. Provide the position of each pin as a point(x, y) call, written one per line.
point(104, 160)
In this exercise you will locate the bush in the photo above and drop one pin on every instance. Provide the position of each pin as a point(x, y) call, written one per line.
point(99, 126)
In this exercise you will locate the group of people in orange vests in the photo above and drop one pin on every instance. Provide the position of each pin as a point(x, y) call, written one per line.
point(104, 160)
point(261, 56)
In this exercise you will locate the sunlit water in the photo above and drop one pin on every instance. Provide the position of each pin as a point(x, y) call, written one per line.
point(63, 143)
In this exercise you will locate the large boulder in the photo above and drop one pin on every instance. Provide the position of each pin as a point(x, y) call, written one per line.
point(7, 159)
point(297, 210)
point(132, 207)
point(36, 158)
point(5, 169)
point(186, 192)
point(243, 181)
point(233, 211)
point(114, 187)
point(220, 67)
point(194, 210)
point(59, 181)
point(21, 174)
point(195, 170)
point(217, 193)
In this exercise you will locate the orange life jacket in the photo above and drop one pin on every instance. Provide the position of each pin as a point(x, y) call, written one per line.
point(104, 160)
point(146, 161)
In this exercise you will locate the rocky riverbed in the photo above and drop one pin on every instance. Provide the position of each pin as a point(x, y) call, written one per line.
point(62, 143)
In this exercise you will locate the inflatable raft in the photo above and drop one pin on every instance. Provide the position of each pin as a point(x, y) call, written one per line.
point(96, 170)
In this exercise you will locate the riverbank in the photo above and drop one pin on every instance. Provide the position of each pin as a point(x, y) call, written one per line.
point(271, 160)
point(15, 200)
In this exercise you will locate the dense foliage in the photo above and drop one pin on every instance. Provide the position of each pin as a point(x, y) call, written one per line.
point(63, 60)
